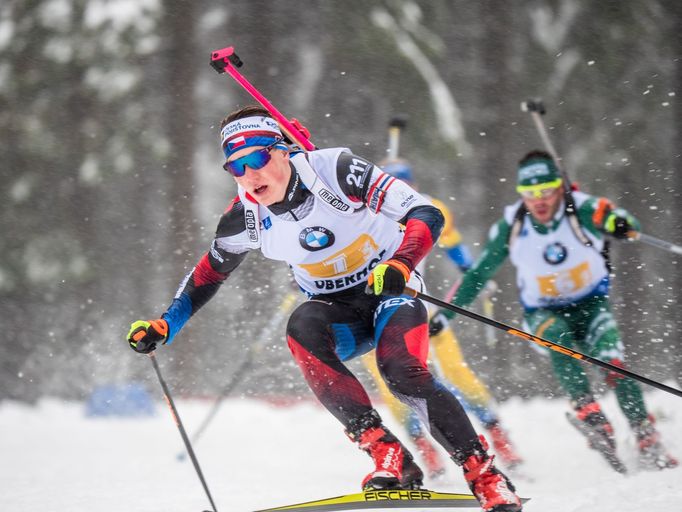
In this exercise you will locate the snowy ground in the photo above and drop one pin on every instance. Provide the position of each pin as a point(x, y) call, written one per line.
point(256, 455)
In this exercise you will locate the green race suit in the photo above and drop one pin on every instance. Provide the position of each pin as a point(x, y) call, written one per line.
point(563, 287)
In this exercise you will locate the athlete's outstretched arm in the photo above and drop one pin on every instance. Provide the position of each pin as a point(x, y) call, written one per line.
point(201, 284)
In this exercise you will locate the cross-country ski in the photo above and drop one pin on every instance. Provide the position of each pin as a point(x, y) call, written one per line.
point(384, 499)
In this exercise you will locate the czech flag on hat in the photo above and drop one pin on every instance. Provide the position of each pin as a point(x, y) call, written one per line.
point(235, 143)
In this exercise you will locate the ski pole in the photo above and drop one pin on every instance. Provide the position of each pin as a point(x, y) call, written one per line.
point(285, 306)
point(453, 290)
point(488, 310)
point(542, 341)
point(225, 60)
point(183, 433)
point(655, 242)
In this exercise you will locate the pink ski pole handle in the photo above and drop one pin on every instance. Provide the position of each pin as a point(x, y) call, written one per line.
point(226, 60)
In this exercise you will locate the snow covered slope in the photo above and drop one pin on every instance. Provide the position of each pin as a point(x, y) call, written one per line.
point(256, 455)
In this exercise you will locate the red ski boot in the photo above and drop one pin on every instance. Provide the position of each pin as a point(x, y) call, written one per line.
point(430, 456)
point(602, 431)
point(591, 422)
point(394, 466)
point(491, 487)
point(503, 447)
point(652, 455)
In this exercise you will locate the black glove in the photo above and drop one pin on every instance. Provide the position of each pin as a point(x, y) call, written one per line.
point(388, 278)
point(145, 334)
point(619, 224)
point(437, 323)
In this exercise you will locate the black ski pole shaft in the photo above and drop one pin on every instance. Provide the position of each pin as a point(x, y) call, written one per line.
point(543, 342)
point(183, 433)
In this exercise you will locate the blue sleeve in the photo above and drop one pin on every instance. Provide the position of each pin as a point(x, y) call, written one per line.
point(177, 315)
point(461, 255)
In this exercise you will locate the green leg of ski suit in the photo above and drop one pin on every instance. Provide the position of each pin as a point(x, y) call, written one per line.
point(587, 326)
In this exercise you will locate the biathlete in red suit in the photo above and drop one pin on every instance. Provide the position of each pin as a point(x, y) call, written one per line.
point(335, 219)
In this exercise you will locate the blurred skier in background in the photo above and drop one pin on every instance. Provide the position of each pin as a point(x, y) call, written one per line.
point(336, 219)
point(447, 354)
point(563, 279)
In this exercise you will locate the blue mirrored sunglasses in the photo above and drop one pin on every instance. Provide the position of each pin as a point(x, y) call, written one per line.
point(255, 160)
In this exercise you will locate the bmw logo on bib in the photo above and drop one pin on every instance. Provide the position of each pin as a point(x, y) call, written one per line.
point(555, 253)
point(316, 238)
